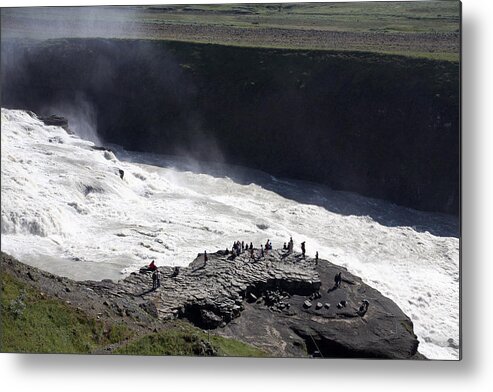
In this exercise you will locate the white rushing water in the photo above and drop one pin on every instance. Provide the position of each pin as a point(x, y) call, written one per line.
point(66, 210)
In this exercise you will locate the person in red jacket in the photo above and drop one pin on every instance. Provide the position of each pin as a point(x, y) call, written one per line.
point(152, 266)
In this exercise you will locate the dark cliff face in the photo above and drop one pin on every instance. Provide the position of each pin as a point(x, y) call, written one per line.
point(382, 126)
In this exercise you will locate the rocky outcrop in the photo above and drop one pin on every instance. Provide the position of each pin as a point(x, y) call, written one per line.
point(282, 303)
point(55, 120)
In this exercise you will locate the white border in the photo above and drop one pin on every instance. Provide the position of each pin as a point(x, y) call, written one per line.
point(88, 373)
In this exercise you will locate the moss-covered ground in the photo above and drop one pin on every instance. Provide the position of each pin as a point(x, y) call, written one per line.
point(33, 323)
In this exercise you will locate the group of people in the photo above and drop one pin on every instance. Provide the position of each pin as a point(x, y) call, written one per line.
point(289, 246)
point(240, 247)
point(156, 275)
point(237, 249)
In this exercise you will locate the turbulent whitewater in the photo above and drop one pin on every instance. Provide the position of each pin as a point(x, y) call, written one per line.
point(65, 209)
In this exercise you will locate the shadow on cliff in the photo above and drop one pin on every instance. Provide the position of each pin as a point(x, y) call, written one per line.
point(341, 202)
point(382, 126)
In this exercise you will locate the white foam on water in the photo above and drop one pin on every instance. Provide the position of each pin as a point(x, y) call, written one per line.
point(65, 209)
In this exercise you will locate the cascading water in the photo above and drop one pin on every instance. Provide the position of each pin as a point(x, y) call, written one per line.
point(66, 209)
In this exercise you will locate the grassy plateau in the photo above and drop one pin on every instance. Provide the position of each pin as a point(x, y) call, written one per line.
point(416, 29)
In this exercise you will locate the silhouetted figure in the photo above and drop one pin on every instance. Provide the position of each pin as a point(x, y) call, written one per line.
point(303, 249)
point(284, 247)
point(251, 246)
point(251, 253)
point(338, 280)
point(156, 279)
point(316, 258)
point(242, 246)
point(363, 308)
point(261, 251)
point(175, 273)
point(206, 258)
point(290, 245)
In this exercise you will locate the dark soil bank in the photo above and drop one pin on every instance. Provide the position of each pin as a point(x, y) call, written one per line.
point(382, 126)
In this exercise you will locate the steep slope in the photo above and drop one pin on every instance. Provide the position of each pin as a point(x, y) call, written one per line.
point(383, 126)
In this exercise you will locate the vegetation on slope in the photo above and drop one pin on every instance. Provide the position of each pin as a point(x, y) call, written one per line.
point(181, 338)
point(31, 322)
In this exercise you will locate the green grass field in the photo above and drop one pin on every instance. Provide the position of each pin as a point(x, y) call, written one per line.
point(36, 324)
point(33, 323)
point(416, 29)
point(418, 17)
point(184, 339)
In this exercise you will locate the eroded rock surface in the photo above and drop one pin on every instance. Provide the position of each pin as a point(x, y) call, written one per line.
point(261, 301)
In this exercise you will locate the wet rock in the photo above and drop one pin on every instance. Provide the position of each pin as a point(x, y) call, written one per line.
point(210, 319)
point(252, 297)
point(307, 304)
point(150, 308)
point(55, 120)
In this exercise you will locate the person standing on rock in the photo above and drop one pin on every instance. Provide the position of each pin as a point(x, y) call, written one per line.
point(303, 249)
point(251, 253)
point(155, 280)
point(262, 251)
point(363, 308)
point(205, 257)
point(316, 258)
point(338, 280)
point(152, 266)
